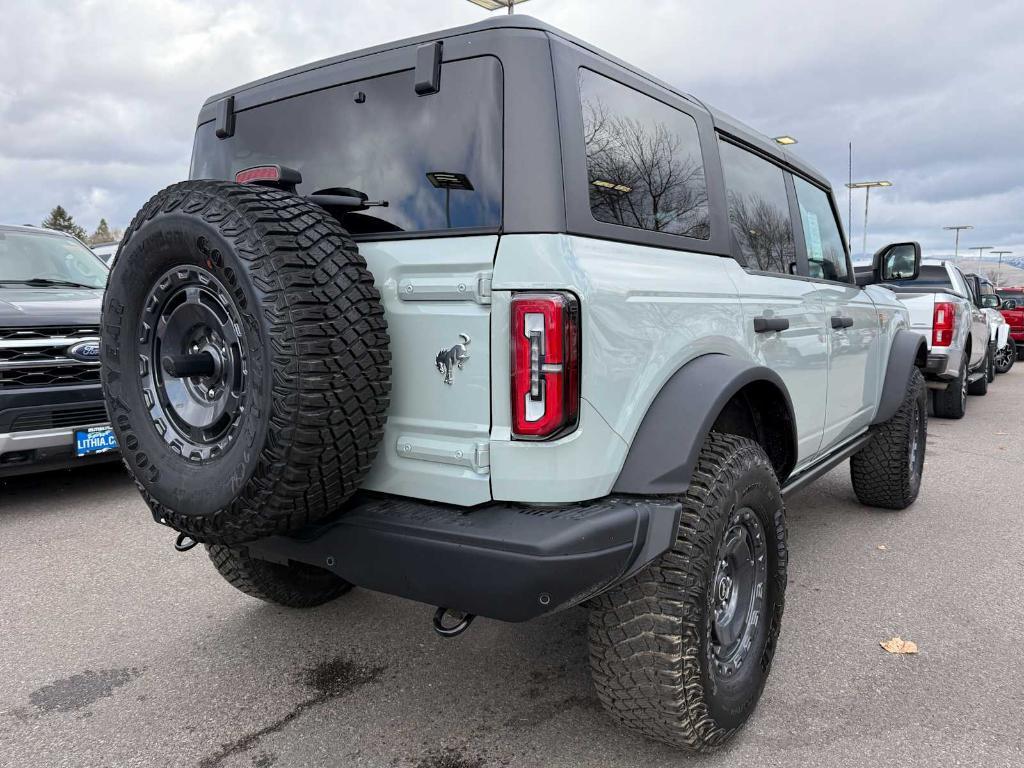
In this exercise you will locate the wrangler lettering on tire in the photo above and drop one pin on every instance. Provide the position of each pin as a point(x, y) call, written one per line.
point(245, 360)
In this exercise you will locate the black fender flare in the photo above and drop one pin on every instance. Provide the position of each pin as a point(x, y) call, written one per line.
point(665, 449)
point(908, 349)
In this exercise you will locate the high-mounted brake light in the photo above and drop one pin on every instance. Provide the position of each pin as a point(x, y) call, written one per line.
point(280, 176)
point(545, 364)
point(943, 323)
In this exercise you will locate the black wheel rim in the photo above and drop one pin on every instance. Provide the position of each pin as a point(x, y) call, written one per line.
point(738, 591)
point(188, 315)
point(1003, 358)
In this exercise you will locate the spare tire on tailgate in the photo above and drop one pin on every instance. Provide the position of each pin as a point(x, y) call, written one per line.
point(245, 360)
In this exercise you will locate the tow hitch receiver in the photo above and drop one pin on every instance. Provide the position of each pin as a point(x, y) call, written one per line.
point(463, 620)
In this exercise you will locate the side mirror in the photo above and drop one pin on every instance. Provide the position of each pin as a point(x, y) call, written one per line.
point(1010, 304)
point(897, 261)
point(991, 301)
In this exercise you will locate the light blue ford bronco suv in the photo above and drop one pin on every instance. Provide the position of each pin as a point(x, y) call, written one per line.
point(491, 320)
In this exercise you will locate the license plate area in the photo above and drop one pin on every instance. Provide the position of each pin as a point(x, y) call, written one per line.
point(90, 441)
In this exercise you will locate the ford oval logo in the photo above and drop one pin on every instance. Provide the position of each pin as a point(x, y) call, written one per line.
point(87, 351)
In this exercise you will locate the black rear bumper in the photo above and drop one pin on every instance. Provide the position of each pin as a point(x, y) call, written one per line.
point(501, 560)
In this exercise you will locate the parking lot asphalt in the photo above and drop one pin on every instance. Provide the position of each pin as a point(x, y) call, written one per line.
point(117, 651)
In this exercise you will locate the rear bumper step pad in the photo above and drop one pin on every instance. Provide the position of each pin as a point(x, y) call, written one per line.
point(501, 560)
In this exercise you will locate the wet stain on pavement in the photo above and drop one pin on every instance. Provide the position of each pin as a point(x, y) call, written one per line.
point(330, 679)
point(77, 692)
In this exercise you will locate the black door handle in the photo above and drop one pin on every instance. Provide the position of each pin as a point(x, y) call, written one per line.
point(842, 322)
point(765, 324)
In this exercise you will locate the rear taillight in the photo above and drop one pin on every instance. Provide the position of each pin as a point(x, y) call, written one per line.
point(943, 324)
point(545, 364)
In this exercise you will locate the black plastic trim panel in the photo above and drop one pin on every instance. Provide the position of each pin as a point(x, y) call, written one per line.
point(500, 560)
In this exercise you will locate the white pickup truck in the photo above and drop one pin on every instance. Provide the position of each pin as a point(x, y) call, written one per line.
point(960, 357)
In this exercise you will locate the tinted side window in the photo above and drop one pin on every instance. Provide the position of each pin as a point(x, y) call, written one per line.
point(436, 159)
point(758, 210)
point(644, 164)
point(826, 255)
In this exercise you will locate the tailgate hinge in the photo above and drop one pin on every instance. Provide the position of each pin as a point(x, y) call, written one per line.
point(483, 288)
point(482, 458)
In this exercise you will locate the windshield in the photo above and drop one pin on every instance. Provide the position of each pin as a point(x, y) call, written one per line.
point(44, 259)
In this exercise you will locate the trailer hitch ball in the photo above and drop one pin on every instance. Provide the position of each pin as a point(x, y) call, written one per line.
point(462, 622)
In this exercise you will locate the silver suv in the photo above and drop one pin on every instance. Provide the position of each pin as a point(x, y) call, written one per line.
point(494, 321)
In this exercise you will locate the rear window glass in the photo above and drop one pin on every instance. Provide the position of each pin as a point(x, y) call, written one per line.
point(644, 163)
point(436, 160)
point(929, 277)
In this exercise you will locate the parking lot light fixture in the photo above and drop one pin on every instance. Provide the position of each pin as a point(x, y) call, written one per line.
point(866, 186)
point(956, 246)
point(980, 249)
point(493, 5)
point(999, 267)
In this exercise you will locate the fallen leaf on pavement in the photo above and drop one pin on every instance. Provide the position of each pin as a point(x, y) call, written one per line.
point(900, 646)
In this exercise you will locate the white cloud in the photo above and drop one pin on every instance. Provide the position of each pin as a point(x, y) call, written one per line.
point(98, 98)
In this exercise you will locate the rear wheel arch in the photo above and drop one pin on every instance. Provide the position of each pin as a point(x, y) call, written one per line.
point(714, 392)
point(907, 351)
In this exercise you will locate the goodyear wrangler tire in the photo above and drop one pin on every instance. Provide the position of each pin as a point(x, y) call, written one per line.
point(245, 360)
point(681, 652)
point(295, 585)
point(887, 471)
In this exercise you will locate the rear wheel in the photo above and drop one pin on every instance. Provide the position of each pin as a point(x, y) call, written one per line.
point(296, 585)
point(245, 360)
point(951, 403)
point(979, 386)
point(1006, 357)
point(887, 471)
point(681, 652)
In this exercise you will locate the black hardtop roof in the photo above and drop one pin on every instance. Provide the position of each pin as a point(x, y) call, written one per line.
point(723, 122)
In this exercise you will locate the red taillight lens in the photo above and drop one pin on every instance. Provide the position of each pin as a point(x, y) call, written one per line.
point(259, 173)
point(943, 324)
point(545, 364)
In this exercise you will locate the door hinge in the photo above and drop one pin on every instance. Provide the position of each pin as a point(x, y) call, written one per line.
point(475, 456)
point(476, 288)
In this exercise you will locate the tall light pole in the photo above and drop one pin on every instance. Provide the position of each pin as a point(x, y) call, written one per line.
point(956, 247)
point(493, 5)
point(980, 249)
point(867, 186)
point(999, 269)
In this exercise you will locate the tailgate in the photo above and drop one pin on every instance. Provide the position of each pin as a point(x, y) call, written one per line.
point(922, 310)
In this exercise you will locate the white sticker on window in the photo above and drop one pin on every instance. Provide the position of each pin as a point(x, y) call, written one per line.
point(812, 233)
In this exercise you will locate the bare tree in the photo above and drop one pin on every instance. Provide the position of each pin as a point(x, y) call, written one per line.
point(764, 232)
point(645, 175)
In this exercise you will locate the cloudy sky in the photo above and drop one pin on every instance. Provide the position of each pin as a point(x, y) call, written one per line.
point(98, 98)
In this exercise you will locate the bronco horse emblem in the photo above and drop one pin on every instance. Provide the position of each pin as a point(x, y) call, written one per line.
point(448, 360)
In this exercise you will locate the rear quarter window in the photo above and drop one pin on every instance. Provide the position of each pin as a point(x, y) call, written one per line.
point(644, 164)
point(436, 159)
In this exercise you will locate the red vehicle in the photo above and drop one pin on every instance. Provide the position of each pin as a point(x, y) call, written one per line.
point(1013, 311)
